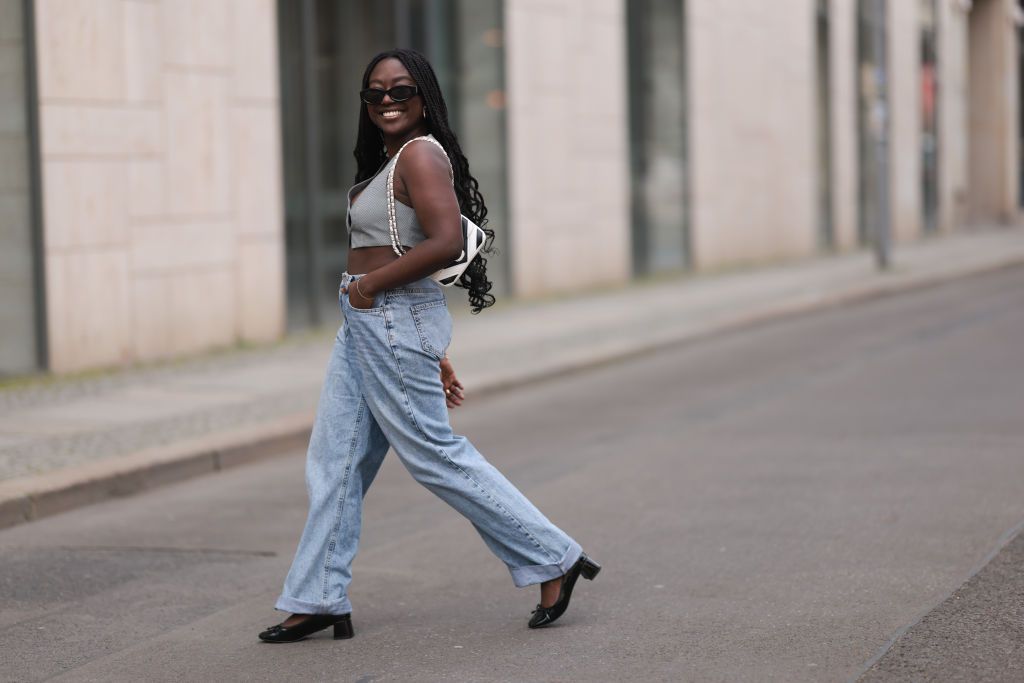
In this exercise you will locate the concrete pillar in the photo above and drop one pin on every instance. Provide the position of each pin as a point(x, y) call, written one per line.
point(752, 130)
point(569, 187)
point(993, 159)
point(953, 113)
point(904, 36)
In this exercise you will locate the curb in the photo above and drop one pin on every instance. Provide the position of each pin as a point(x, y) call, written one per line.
point(1002, 544)
point(29, 498)
point(33, 497)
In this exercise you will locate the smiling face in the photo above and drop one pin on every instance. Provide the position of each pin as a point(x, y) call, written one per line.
point(395, 119)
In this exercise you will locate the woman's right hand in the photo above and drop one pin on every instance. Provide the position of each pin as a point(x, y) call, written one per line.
point(354, 297)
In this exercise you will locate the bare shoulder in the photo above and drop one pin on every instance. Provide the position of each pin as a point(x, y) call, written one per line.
point(423, 160)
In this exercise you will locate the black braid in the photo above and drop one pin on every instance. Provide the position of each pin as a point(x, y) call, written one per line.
point(370, 153)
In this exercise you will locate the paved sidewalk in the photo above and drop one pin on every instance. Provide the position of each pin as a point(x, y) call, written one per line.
point(976, 634)
point(70, 442)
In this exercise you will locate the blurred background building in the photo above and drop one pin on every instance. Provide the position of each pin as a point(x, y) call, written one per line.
point(173, 172)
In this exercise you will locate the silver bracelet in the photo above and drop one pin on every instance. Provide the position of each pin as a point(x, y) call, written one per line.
point(360, 290)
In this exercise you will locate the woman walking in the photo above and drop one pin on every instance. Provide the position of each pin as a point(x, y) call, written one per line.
point(389, 382)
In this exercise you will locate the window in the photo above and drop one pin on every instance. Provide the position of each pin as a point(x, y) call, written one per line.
point(1020, 107)
point(823, 66)
point(657, 131)
point(873, 126)
point(22, 334)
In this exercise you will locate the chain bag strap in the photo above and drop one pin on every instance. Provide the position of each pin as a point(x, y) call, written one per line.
point(473, 235)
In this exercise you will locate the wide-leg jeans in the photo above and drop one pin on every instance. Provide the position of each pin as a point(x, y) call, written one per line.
point(383, 388)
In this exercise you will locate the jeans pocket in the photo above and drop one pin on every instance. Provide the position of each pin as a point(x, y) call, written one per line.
point(378, 300)
point(433, 325)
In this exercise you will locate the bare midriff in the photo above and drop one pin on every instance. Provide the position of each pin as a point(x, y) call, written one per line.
point(369, 259)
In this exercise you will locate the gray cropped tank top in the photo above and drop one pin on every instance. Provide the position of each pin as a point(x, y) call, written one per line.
point(368, 218)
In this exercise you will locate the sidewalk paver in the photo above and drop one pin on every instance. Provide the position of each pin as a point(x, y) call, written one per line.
point(69, 443)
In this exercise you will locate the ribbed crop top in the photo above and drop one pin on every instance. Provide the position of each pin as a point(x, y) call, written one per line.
point(368, 218)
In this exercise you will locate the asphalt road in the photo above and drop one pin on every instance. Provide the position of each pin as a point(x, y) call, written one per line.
point(771, 504)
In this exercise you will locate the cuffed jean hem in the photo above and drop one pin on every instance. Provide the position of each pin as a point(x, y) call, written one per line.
point(538, 573)
point(286, 604)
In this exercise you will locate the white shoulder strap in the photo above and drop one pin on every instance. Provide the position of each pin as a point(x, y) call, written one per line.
point(430, 139)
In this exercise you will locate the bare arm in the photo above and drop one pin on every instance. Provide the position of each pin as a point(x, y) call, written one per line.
point(424, 172)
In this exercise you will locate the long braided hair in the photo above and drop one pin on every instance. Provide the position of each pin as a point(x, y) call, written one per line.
point(370, 153)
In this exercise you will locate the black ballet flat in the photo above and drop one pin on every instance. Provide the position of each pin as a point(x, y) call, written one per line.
point(542, 616)
point(315, 622)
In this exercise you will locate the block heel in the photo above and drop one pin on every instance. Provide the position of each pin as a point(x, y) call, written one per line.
point(589, 569)
point(343, 629)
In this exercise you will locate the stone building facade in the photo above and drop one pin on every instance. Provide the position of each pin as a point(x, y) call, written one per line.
point(170, 170)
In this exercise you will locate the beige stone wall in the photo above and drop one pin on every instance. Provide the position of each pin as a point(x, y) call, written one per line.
point(752, 123)
point(904, 44)
point(161, 177)
point(161, 152)
point(568, 155)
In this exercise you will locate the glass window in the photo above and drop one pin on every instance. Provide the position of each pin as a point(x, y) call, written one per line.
point(823, 67)
point(929, 116)
point(1020, 106)
point(20, 288)
point(873, 125)
point(657, 128)
point(477, 108)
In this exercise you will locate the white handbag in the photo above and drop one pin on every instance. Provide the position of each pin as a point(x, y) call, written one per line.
point(473, 235)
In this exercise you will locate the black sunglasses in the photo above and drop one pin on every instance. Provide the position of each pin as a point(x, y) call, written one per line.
point(399, 93)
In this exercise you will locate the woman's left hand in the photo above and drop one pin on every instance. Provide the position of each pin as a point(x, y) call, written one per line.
point(452, 386)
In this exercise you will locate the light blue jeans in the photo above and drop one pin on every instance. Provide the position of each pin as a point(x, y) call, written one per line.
point(383, 388)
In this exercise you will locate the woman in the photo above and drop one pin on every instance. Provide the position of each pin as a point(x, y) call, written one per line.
point(389, 382)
